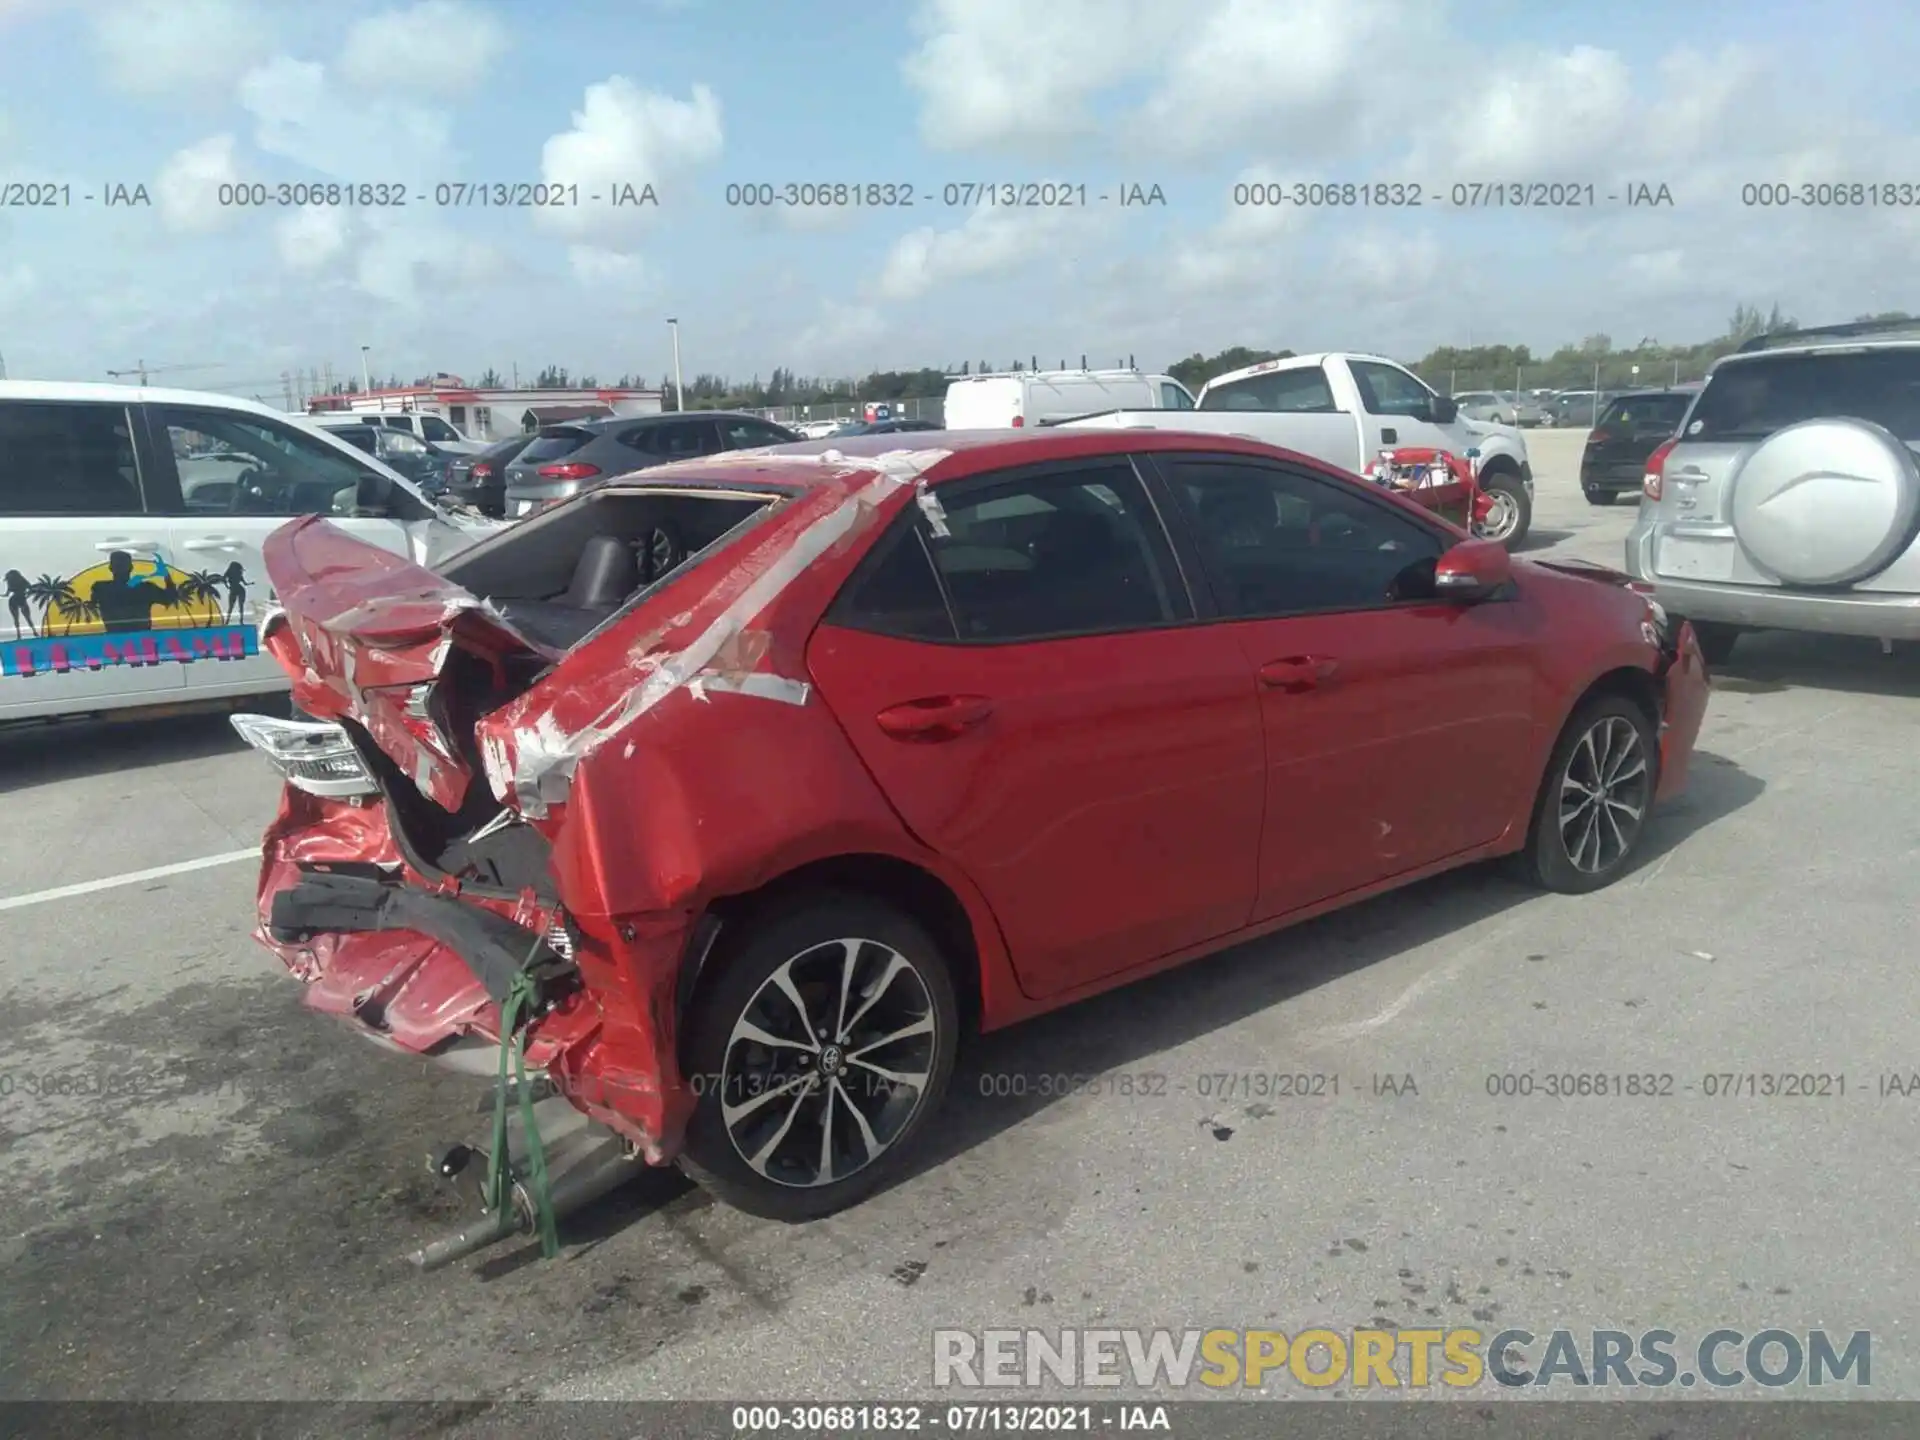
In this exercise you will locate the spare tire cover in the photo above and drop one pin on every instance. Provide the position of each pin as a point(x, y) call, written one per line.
point(1825, 502)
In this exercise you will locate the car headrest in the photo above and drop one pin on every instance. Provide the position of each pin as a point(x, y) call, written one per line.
point(607, 572)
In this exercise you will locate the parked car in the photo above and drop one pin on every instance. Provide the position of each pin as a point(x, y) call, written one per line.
point(815, 429)
point(1789, 500)
point(1501, 407)
point(131, 526)
point(1345, 409)
point(1578, 409)
point(1036, 397)
point(884, 427)
point(424, 464)
point(1631, 428)
point(429, 428)
point(565, 459)
point(481, 480)
point(904, 749)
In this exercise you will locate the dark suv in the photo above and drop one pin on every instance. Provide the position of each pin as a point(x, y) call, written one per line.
point(1631, 428)
point(568, 458)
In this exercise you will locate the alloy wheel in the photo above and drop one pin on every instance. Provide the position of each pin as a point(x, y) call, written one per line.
point(1604, 792)
point(828, 1063)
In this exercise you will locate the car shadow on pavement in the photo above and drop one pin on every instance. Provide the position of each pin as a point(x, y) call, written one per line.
point(1766, 662)
point(73, 750)
point(1542, 538)
point(1122, 1030)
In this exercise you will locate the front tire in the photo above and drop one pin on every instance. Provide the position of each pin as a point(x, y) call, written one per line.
point(1512, 514)
point(1593, 803)
point(820, 1054)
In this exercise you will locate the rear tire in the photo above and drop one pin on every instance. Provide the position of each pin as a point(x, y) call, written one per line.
point(766, 1158)
point(1598, 497)
point(1594, 799)
point(1716, 640)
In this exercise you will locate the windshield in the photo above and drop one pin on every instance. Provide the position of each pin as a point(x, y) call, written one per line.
point(1750, 399)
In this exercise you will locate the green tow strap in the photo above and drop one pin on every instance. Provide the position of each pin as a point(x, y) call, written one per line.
point(519, 1002)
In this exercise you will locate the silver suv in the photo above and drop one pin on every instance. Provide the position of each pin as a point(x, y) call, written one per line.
point(1789, 499)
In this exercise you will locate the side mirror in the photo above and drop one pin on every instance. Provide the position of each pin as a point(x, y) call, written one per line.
point(1472, 570)
point(1445, 409)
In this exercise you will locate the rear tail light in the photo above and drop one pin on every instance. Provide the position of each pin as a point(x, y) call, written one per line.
point(310, 755)
point(1598, 437)
point(1656, 468)
point(570, 470)
point(1018, 422)
point(482, 471)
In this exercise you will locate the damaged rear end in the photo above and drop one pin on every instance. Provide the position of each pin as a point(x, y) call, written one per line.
point(483, 838)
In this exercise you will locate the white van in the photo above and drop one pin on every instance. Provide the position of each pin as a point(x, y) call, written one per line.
point(131, 526)
point(1036, 397)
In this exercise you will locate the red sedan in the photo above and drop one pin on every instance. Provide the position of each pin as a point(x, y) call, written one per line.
point(739, 789)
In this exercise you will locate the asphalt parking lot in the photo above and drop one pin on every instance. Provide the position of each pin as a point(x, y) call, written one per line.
point(231, 1223)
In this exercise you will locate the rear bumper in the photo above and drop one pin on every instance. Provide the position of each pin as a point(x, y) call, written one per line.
point(1762, 607)
point(1686, 686)
point(424, 971)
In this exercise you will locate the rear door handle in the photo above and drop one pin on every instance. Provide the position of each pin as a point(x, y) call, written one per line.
point(212, 542)
point(937, 717)
point(123, 543)
point(1296, 673)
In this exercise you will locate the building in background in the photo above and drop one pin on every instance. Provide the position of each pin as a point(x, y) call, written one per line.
point(481, 414)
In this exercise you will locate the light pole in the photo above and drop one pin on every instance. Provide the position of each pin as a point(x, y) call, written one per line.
point(366, 374)
point(679, 388)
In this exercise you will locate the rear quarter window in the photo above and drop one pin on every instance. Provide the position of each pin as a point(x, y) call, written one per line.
point(1750, 399)
point(1302, 391)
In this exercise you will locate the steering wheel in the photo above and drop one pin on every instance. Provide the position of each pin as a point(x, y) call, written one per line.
point(248, 486)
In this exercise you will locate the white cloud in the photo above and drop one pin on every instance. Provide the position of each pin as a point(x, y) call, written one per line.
point(991, 241)
point(17, 282)
point(1015, 76)
point(441, 48)
point(623, 140)
point(187, 190)
point(312, 239)
point(594, 266)
point(842, 338)
point(301, 115)
point(185, 51)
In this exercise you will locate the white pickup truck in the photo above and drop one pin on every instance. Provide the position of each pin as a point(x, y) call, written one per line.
point(1345, 409)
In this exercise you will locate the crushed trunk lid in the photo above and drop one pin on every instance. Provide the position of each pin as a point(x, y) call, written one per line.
point(365, 634)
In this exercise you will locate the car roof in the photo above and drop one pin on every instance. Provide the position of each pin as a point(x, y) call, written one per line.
point(948, 455)
point(106, 394)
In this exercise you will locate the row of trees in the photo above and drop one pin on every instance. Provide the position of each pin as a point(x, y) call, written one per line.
point(1449, 367)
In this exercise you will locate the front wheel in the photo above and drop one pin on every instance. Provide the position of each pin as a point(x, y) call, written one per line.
point(1512, 511)
point(1594, 799)
point(819, 1055)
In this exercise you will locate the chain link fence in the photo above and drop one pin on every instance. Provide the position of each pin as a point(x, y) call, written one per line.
point(930, 409)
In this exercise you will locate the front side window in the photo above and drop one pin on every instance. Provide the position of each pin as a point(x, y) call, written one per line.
point(432, 427)
point(751, 434)
point(1061, 553)
point(270, 469)
point(58, 459)
point(1278, 542)
point(1389, 390)
point(1174, 397)
point(1301, 390)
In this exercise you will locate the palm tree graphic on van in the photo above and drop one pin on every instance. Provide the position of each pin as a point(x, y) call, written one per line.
point(131, 610)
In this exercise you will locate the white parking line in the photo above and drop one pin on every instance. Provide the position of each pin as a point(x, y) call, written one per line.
point(132, 877)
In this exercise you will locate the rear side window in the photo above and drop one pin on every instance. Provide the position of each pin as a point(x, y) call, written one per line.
point(897, 592)
point(432, 427)
point(60, 459)
point(1073, 552)
point(554, 445)
point(1303, 390)
point(1750, 399)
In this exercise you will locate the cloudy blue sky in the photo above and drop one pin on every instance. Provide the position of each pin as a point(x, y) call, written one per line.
point(185, 96)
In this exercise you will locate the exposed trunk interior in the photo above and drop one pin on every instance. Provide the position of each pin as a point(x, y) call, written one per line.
point(555, 582)
point(562, 578)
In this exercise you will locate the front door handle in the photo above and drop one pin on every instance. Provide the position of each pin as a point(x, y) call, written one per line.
point(212, 542)
point(937, 717)
point(1297, 673)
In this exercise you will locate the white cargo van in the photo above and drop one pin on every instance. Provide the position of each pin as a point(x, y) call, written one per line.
point(1036, 397)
